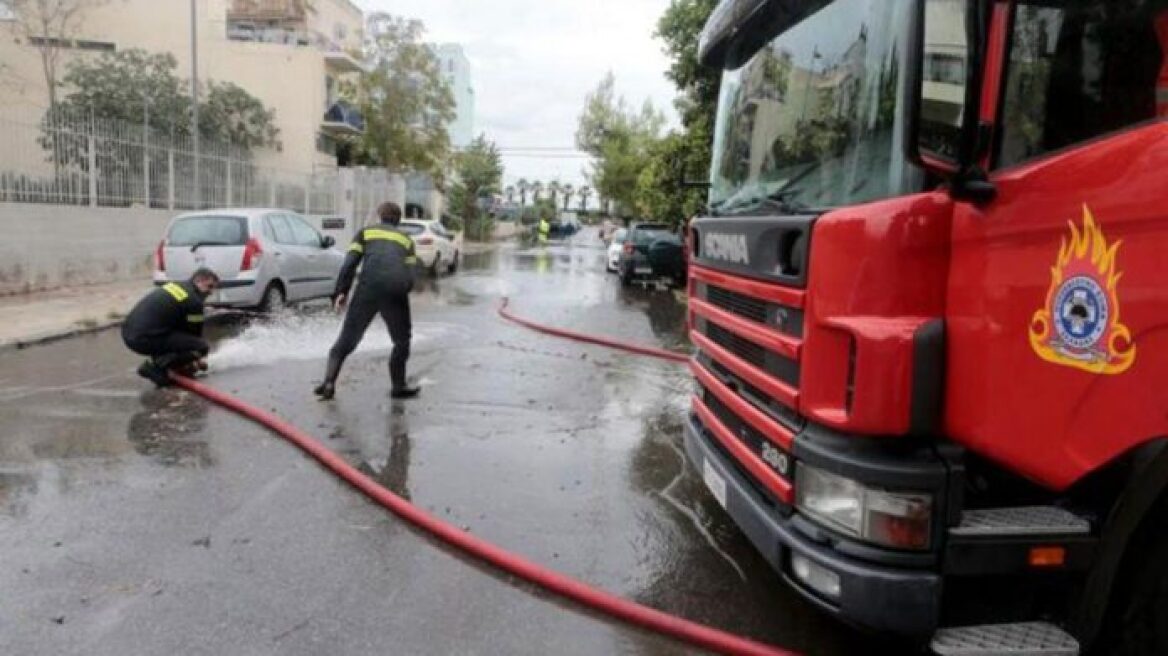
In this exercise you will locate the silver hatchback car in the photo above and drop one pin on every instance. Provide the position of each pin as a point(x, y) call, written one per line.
point(265, 258)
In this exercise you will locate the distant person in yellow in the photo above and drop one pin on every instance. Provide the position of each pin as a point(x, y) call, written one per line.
point(544, 229)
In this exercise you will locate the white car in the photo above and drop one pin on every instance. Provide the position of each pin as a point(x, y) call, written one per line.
point(265, 258)
point(612, 263)
point(436, 247)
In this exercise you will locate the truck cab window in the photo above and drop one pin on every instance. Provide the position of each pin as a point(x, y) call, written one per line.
point(1079, 69)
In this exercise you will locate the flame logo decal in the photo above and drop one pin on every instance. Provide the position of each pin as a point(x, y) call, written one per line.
point(1079, 324)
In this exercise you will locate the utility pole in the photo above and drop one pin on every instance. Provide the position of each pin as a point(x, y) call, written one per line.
point(195, 97)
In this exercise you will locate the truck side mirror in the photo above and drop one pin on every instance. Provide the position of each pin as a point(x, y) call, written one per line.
point(944, 136)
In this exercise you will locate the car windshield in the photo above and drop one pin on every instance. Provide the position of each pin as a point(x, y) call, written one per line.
point(644, 236)
point(208, 231)
point(620, 236)
point(810, 120)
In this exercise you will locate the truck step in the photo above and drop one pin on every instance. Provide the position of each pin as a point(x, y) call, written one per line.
point(1023, 520)
point(1020, 639)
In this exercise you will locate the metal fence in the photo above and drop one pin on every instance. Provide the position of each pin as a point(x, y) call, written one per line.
point(83, 160)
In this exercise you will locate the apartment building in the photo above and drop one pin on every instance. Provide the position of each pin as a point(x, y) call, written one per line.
point(291, 54)
point(456, 70)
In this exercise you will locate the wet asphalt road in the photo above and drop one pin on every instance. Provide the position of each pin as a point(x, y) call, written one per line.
point(135, 521)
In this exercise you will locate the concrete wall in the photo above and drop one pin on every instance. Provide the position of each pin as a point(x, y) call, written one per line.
point(50, 246)
point(46, 247)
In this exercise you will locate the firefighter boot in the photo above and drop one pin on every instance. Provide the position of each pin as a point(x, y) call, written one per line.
point(328, 388)
point(397, 374)
point(153, 373)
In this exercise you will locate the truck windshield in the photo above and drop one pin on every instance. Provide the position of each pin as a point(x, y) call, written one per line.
point(812, 119)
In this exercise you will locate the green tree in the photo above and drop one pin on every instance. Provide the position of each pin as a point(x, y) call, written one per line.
point(523, 186)
point(584, 193)
point(142, 88)
point(404, 99)
point(618, 138)
point(680, 27)
point(659, 192)
point(122, 94)
point(478, 173)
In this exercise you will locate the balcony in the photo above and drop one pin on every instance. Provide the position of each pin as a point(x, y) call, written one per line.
point(343, 120)
point(339, 61)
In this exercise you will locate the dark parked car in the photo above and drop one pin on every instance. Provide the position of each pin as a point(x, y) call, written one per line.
point(667, 256)
point(634, 262)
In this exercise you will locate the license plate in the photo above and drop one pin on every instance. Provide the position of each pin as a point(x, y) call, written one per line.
point(715, 482)
point(643, 271)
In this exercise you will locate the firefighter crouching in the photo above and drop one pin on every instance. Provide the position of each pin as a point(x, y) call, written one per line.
point(388, 259)
point(167, 326)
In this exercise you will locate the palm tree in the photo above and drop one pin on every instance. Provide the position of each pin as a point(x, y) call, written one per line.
point(554, 188)
point(568, 190)
point(584, 193)
point(523, 186)
point(536, 190)
point(510, 191)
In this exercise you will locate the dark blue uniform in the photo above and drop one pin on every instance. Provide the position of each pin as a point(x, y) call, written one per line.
point(387, 259)
point(167, 325)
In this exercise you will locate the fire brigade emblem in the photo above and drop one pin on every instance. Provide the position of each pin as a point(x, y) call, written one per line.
point(1079, 324)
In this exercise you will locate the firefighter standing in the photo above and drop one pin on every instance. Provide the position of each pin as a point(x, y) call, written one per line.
point(544, 229)
point(387, 276)
point(167, 326)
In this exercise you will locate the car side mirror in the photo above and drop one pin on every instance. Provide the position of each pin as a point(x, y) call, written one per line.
point(327, 241)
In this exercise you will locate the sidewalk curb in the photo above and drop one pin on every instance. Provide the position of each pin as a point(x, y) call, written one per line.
point(57, 335)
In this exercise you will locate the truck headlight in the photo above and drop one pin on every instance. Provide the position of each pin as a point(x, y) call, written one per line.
point(901, 520)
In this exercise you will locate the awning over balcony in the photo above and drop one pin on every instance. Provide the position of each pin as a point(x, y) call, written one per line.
point(342, 62)
point(342, 119)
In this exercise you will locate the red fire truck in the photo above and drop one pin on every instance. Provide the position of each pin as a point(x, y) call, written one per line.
point(930, 309)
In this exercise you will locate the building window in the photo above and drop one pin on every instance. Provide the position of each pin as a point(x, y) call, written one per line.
point(6, 13)
point(53, 42)
point(340, 32)
point(101, 46)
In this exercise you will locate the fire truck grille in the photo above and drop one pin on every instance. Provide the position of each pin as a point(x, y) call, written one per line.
point(779, 317)
point(775, 457)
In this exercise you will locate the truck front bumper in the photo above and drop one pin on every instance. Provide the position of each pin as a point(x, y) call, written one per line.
point(883, 598)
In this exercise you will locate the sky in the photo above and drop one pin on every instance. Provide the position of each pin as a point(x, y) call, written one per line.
point(533, 62)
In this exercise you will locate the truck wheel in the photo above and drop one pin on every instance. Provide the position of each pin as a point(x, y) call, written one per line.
point(274, 299)
point(1137, 619)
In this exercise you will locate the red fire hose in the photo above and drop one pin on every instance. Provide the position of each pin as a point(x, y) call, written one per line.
point(591, 339)
point(622, 609)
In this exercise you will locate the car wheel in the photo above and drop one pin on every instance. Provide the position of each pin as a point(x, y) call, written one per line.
point(434, 265)
point(274, 299)
point(626, 278)
point(453, 267)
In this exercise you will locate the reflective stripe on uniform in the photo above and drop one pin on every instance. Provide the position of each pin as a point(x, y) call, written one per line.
point(176, 291)
point(356, 247)
point(411, 260)
point(194, 318)
point(397, 237)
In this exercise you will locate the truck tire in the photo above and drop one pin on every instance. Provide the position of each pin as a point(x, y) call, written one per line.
point(1137, 619)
